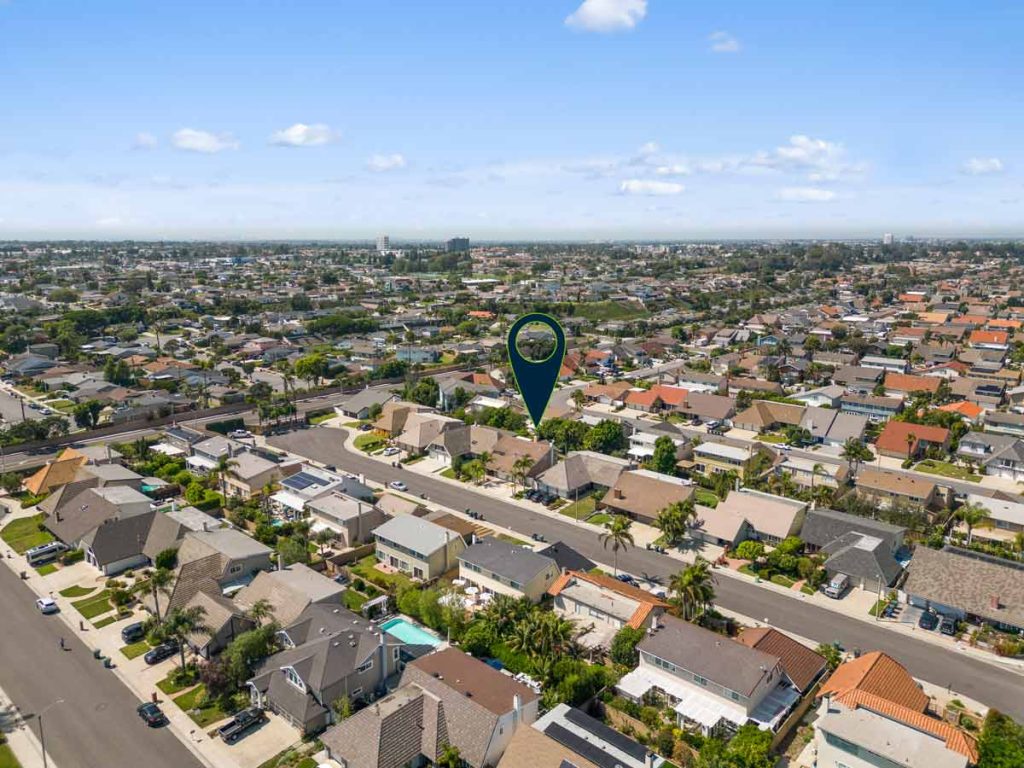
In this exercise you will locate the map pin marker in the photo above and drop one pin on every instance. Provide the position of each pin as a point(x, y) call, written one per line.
point(536, 378)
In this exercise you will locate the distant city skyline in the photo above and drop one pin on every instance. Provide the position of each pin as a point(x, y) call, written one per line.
point(537, 120)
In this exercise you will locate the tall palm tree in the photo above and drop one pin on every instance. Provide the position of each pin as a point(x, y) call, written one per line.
point(323, 537)
point(578, 399)
point(617, 534)
point(855, 452)
point(910, 439)
point(180, 624)
point(693, 589)
point(224, 466)
point(817, 468)
point(158, 583)
point(519, 469)
point(972, 516)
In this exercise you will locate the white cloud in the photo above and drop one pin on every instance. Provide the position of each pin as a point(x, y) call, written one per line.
point(302, 135)
point(648, 149)
point(806, 195)
point(208, 143)
point(145, 140)
point(675, 169)
point(384, 163)
point(980, 166)
point(607, 15)
point(723, 42)
point(650, 188)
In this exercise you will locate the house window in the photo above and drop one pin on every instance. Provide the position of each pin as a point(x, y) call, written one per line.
point(292, 677)
point(365, 666)
point(396, 653)
point(234, 569)
point(734, 696)
point(700, 680)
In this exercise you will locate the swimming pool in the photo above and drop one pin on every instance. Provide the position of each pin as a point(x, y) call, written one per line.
point(409, 633)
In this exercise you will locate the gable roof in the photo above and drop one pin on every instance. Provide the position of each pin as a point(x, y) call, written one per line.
point(895, 434)
point(880, 675)
point(646, 602)
point(802, 665)
point(54, 474)
point(644, 493)
point(516, 563)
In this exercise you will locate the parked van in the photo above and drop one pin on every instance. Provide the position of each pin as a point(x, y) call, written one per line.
point(837, 587)
point(45, 552)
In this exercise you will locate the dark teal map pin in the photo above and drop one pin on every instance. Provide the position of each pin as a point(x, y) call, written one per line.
point(536, 378)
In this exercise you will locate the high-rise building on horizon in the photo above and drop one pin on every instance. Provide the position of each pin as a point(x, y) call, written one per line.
point(887, 238)
point(457, 245)
point(383, 242)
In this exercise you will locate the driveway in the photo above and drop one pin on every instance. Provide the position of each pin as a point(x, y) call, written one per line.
point(944, 667)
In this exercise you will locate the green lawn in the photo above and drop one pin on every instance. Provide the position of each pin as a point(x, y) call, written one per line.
point(878, 607)
point(449, 473)
point(808, 589)
point(354, 600)
point(600, 519)
point(135, 650)
point(369, 442)
point(24, 534)
point(76, 591)
point(7, 758)
point(510, 539)
point(170, 687)
point(945, 469)
point(91, 607)
point(392, 582)
point(782, 581)
point(770, 438)
point(610, 310)
point(746, 569)
point(307, 762)
point(207, 715)
point(321, 418)
point(705, 497)
point(579, 510)
point(104, 621)
point(46, 570)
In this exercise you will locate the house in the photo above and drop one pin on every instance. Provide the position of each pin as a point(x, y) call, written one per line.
point(421, 429)
point(328, 653)
point(749, 514)
point(218, 562)
point(857, 378)
point(823, 397)
point(1005, 516)
point(310, 483)
point(967, 585)
point(767, 415)
point(710, 458)
point(516, 459)
point(581, 471)
point(289, 591)
point(353, 520)
point(394, 415)
point(862, 549)
point(902, 439)
point(206, 454)
point(905, 385)
point(359, 405)
point(812, 474)
point(464, 442)
point(603, 603)
point(641, 494)
point(802, 666)
point(888, 364)
point(498, 567)
point(994, 453)
point(876, 409)
point(706, 406)
point(582, 736)
point(415, 546)
point(54, 473)
point(641, 443)
point(710, 681)
point(886, 487)
point(988, 339)
point(873, 712)
point(250, 473)
point(445, 698)
point(566, 558)
point(1005, 423)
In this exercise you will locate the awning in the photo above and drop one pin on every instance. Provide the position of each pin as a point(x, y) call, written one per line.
point(201, 462)
point(290, 500)
point(166, 449)
point(693, 703)
point(774, 707)
point(641, 452)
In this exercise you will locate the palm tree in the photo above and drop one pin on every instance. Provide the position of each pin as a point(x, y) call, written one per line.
point(911, 440)
point(617, 534)
point(449, 757)
point(674, 519)
point(158, 583)
point(521, 466)
point(693, 589)
point(578, 399)
point(814, 473)
point(855, 452)
point(323, 537)
point(180, 624)
point(260, 610)
point(223, 469)
point(484, 459)
point(972, 516)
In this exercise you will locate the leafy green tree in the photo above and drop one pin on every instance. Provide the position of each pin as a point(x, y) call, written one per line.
point(673, 520)
point(749, 550)
point(87, 414)
point(605, 437)
point(832, 655)
point(1001, 744)
point(623, 650)
point(664, 458)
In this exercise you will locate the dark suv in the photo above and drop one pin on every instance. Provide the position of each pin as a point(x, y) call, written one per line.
point(161, 652)
point(133, 632)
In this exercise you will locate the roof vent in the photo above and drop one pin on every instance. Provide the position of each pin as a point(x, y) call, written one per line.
point(468, 694)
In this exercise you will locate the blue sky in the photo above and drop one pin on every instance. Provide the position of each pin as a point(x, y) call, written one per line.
point(526, 119)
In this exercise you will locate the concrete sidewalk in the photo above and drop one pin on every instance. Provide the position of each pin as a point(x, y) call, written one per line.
point(22, 738)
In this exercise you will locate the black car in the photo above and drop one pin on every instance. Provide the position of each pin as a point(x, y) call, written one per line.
point(152, 715)
point(133, 632)
point(241, 724)
point(948, 627)
point(161, 652)
point(928, 621)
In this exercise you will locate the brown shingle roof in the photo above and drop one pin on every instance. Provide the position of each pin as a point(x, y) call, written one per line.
point(801, 663)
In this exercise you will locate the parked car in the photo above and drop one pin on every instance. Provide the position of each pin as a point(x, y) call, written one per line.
point(241, 724)
point(391, 451)
point(928, 621)
point(837, 587)
point(133, 632)
point(152, 715)
point(240, 434)
point(161, 652)
point(47, 605)
point(948, 627)
point(398, 485)
point(365, 427)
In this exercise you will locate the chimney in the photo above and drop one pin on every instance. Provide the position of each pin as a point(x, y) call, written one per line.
point(517, 710)
point(616, 493)
point(174, 506)
point(359, 522)
point(654, 621)
point(993, 602)
point(447, 539)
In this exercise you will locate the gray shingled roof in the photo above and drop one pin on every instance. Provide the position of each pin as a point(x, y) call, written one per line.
point(823, 526)
point(511, 561)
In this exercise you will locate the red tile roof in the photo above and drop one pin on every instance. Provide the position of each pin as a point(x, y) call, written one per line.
point(894, 436)
point(904, 382)
point(880, 675)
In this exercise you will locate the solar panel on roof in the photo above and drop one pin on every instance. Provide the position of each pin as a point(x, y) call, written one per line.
point(608, 735)
point(582, 747)
point(301, 481)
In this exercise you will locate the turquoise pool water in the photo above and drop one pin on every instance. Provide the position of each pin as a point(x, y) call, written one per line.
point(409, 633)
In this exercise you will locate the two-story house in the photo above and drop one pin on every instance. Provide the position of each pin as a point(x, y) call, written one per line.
point(993, 453)
point(417, 547)
point(603, 604)
point(498, 567)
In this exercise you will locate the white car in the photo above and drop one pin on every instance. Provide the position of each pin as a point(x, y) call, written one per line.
point(240, 434)
point(391, 451)
point(398, 485)
point(47, 605)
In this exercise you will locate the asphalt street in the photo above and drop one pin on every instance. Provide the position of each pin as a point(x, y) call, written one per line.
point(997, 687)
point(10, 409)
point(96, 725)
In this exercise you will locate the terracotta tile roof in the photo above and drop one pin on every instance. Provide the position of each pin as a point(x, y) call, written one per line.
point(55, 474)
point(1006, 325)
point(894, 436)
point(670, 395)
point(801, 663)
point(644, 397)
point(879, 675)
point(647, 601)
point(903, 382)
point(956, 739)
point(989, 337)
point(964, 408)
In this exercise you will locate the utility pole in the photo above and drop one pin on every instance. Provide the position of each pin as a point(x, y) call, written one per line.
point(39, 719)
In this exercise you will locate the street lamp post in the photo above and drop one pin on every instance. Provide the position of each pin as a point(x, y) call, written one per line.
point(39, 719)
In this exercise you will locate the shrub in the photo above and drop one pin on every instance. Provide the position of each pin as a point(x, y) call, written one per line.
point(749, 550)
point(72, 556)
